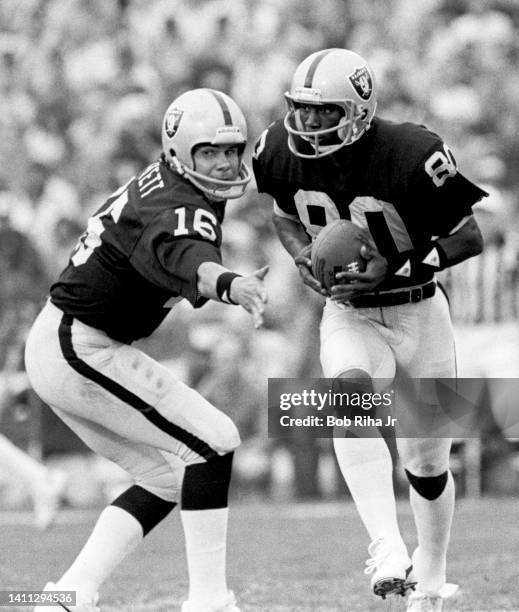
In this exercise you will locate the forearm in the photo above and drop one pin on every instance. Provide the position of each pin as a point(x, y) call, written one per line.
point(297, 242)
point(436, 255)
point(291, 234)
point(218, 283)
point(207, 276)
point(465, 243)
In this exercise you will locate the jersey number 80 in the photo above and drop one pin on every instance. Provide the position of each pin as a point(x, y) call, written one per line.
point(440, 166)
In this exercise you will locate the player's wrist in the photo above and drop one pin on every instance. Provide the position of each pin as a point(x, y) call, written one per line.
point(223, 287)
point(427, 258)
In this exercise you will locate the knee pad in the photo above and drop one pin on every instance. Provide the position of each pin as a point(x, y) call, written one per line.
point(360, 401)
point(206, 485)
point(354, 376)
point(144, 506)
point(429, 487)
point(351, 384)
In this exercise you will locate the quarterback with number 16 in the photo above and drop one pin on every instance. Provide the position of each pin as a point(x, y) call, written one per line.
point(154, 242)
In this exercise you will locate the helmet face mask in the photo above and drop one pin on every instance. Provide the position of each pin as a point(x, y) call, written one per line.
point(205, 117)
point(331, 77)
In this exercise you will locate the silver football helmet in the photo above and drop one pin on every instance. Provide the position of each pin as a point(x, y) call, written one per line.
point(205, 116)
point(333, 76)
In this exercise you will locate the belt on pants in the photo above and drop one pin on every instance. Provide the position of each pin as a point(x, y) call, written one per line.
point(395, 298)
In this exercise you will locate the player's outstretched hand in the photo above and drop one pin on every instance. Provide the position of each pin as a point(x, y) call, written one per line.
point(304, 265)
point(352, 284)
point(250, 293)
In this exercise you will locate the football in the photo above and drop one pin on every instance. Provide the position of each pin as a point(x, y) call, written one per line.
point(337, 249)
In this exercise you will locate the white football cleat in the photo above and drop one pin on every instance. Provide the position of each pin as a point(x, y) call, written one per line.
point(228, 605)
point(47, 498)
point(424, 602)
point(83, 604)
point(390, 565)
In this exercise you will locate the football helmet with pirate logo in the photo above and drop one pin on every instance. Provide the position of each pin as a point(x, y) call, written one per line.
point(336, 78)
point(205, 117)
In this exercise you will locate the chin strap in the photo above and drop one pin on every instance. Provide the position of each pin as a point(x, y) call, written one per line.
point(217, 188)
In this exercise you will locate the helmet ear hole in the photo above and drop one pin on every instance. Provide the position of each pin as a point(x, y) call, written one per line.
point(172, 152)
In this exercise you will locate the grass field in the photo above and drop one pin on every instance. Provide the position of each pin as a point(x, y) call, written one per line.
point(293, 557)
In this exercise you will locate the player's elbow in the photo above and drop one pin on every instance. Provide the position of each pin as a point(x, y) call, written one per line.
point(479, 246)
point(475, 243)
point(470, 239)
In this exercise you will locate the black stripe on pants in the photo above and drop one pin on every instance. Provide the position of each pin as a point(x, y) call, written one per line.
point(65, 339)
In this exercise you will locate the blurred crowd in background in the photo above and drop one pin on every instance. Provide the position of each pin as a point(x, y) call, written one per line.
point(83, 88)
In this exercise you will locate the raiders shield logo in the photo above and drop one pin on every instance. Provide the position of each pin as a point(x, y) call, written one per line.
point(361, 81)
point(172, 121)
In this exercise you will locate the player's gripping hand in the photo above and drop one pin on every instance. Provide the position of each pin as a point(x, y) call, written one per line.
point(304, 265)
point(250, 293)
point(353, 284)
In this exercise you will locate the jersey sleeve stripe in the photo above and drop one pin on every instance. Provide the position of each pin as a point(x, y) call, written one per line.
point(381, 233)
point(149, 412)
point(460, 225)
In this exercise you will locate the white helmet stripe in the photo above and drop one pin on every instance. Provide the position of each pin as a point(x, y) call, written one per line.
point(336, 77)
point(313, 66)
point(223, 105)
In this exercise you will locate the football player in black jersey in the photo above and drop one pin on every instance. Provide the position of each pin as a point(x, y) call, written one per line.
point(332, 157)
point(155, 241)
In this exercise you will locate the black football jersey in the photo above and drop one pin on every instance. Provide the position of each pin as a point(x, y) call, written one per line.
point(140, 254)
point(399, 181)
